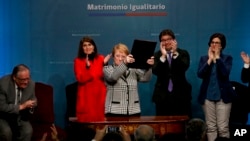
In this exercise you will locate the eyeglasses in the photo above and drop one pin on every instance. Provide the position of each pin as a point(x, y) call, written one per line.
point(217, 43)
point(166, 40)
point(23, 79)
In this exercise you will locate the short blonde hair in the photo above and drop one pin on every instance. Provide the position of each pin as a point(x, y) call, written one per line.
point(120, 47)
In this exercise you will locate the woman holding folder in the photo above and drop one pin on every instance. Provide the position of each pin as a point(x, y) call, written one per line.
point(122, 97)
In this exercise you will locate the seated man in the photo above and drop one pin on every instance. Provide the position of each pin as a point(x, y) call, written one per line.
point(17, 100)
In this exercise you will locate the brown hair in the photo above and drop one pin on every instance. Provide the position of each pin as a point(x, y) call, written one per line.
point(120, 47)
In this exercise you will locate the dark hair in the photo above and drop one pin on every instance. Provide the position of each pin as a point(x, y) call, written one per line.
point(195, 129)
point(221, 37)
point(81, 53)
point(166, 32)
point(19, 68)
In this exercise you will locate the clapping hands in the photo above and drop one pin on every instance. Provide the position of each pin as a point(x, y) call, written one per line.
point(107, 58)
point(171, 46)
point(213, 54)
point(245, 57)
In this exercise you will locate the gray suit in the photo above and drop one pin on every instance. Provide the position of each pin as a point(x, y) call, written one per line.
point(122, 89)
point(12, 121)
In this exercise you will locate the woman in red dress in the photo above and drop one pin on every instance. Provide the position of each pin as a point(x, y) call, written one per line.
point(91, 90)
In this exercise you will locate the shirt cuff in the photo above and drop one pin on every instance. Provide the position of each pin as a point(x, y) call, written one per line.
point(175, 55)
point(246, 65)
point(162, 59)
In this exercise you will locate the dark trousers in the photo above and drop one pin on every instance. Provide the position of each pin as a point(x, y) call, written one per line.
point(15, 131)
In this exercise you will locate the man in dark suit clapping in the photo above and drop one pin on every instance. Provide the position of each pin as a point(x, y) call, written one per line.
point(172, 93)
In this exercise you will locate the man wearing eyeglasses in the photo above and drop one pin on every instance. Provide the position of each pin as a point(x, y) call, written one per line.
point(172, 92)
point(17, 100)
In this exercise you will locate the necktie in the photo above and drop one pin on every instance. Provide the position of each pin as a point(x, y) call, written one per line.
point(170, 83)
point(18, 96)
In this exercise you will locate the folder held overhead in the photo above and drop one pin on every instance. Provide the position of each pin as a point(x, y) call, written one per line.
point(142, 50)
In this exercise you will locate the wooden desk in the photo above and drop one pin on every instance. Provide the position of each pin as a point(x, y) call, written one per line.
point(161, 124)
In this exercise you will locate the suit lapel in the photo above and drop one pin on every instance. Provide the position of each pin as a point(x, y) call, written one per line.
point(12, 90)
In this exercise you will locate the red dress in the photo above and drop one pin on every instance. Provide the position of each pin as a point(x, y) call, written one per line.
point(91, 90)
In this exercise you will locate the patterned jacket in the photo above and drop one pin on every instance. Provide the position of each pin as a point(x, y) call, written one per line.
point(122, 88)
